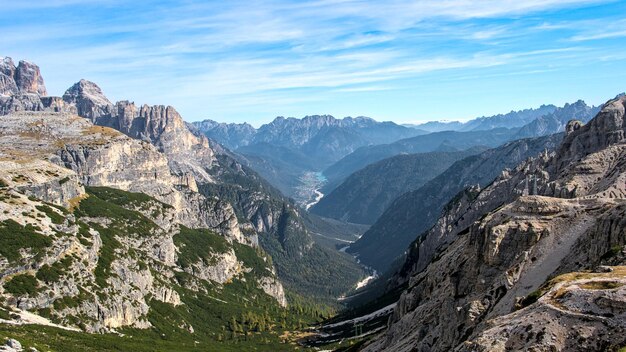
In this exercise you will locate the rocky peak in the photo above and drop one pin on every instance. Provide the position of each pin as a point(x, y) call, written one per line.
point(160, 117)
point(7, 66)
point(25, 78)
point(89, 99)
point(606, 129)
point(7, 77)
point(573, 125)
point(28, 79)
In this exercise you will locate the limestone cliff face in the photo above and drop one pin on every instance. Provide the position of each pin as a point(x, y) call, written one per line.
point(25, 78)
point(552, 215)
point(160, 125)
point(51, 157)
point(272, 221)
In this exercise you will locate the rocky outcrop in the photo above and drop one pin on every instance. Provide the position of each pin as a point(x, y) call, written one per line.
point(222, 268)
point(273, 287)
point(89, 100)
point(495, 251)
point(28, 79)
point(162, 126)
point(607, 128)
point(23, 79)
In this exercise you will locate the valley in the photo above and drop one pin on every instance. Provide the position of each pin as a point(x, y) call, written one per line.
point(308, 194)
point(318, 176)
point(125, 222)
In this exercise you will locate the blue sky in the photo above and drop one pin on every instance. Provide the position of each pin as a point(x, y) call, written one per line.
point(405, 61)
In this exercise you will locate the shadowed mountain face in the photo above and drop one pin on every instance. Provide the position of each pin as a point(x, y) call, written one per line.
point(438, 141)
point(415, 212)
point(365, 194)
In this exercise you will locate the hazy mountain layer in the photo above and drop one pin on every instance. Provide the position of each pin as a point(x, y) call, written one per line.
point(284, 149)
point(365, 195)
point(543, 121)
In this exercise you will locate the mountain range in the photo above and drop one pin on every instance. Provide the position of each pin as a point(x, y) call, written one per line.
point(543, 121)
point(509, 120)
point(285, 148)
point(123, 227)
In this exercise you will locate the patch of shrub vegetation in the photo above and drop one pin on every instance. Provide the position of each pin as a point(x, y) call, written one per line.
point(531, 298)
point(52, 273)
point(252, 257)
point(615, 250)
point(14, 237)
point(23, 284)
point(107, 254)
point(4, 314)
point(196, 244)
point(72, 301)
point(127, 199)
point(53, 215)
point(45, 312)
point(124, 221)
point(601, 285)
point(64, 180)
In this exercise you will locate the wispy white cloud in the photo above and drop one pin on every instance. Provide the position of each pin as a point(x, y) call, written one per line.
point(599, 35)
point(251, 53)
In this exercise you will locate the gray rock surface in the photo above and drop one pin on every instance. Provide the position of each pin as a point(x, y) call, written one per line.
point(50, 156)
point(89, 100)
point(551, 217)
point(28, 79)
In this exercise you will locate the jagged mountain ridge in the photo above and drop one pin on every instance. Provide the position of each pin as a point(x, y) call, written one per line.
point(231, 135)
point(508, 120)
point(511, 119)
point(493, 250)
point(365, 194)
point(543, 121)
point(556, 121)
